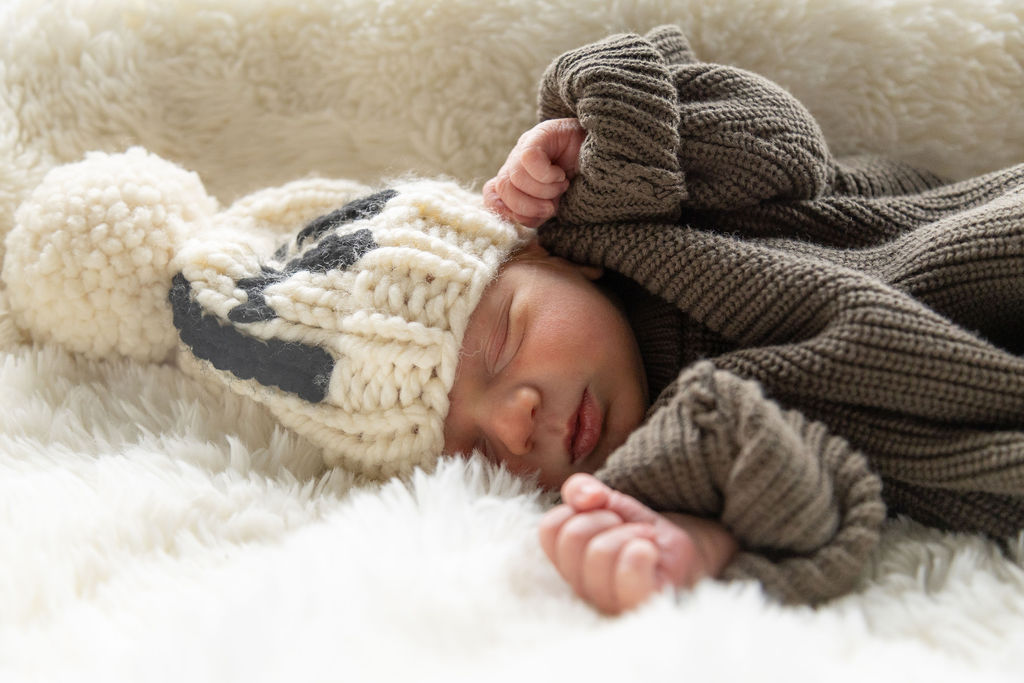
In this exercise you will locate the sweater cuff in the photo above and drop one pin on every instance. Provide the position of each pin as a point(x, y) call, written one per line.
point(803, 505)
point(621, 92)
point(668, 133)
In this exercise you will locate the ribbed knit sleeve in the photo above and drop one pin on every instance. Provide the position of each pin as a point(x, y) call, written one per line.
point(632, 121)
point(731, 137)
point(696, 137)
point(804, 506)
point(837, 337)
point(884, 306)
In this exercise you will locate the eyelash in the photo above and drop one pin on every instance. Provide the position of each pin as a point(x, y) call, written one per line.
point(500, 339)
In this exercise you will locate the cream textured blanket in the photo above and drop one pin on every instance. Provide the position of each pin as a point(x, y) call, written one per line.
point(151, 530)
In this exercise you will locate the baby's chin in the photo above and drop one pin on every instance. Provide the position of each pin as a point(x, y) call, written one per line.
point(596, 460)
point(553, 481)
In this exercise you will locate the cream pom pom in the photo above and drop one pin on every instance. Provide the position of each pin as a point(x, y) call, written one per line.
point(88, 262)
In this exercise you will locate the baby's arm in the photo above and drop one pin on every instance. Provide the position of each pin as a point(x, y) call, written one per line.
point(615, 552)
point(537, 172)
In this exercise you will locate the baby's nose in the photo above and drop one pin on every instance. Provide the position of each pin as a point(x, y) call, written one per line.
point(513, 419)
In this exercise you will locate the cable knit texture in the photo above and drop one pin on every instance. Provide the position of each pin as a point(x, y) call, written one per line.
point(879, 310)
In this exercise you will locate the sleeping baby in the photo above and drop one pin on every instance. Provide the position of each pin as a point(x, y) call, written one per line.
point(731, 352)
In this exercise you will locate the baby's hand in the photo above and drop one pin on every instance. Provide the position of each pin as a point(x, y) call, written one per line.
point(615, 552)
point(537, 172)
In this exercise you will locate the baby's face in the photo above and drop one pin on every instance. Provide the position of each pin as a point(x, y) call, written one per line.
point(550, 378)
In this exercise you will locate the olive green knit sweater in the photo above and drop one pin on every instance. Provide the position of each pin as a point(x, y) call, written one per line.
point(844, 335)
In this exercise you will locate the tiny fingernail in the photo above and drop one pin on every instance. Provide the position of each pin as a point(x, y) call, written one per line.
point(495, 203)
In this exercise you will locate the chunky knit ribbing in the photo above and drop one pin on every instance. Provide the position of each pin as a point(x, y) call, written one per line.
point(783, 485)
point(881, 304)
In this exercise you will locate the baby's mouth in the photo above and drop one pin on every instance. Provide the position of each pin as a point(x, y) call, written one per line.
point(584, 429)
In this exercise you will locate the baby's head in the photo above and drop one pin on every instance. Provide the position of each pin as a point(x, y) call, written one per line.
point(359, 332)
point(550, 379)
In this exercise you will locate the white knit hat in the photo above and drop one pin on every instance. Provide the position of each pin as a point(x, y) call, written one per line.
point(349, 331)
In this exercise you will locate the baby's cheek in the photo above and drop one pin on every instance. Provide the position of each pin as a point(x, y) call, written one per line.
point(552, 478)
point(454, 442)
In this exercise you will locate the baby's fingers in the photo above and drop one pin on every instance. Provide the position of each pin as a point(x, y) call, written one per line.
point(636, 573)
point(618, 568)
point(573, 539)
point(537, 165)
point(551, 149)
point(525, 182)
point(550, 524)
point(530, 211)
point(585, 492)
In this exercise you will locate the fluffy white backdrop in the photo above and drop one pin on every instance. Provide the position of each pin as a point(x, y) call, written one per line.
point(152, 529)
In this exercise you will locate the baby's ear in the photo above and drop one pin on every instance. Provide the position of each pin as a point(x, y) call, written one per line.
point(89, 260)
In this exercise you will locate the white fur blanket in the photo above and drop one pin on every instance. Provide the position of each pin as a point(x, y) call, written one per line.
point(153, 530)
